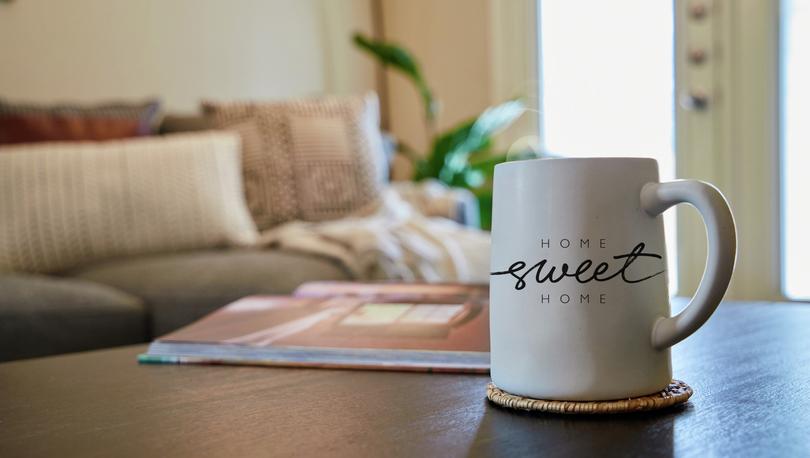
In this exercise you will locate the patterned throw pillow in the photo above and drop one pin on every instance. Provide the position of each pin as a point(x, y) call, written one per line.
point(35, 123)
point(309, 159)
point(63, 205)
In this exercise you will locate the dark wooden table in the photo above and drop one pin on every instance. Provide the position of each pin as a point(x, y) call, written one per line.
point(749, 366)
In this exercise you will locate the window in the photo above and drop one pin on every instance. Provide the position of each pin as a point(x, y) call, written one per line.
point(795, 55)
point(607, 85)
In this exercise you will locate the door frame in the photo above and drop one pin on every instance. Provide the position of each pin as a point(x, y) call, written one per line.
point(734, 142)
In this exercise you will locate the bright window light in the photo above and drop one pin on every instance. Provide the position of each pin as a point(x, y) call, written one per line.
point(795, 54)
point(608, 84)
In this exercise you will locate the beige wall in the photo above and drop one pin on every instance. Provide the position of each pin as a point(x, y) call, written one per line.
point(347, 70)
point(451, 40)
point(186, 50)
point(474, 53)
point(180, 50)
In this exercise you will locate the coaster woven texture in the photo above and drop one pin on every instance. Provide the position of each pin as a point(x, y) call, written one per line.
point(676, 393)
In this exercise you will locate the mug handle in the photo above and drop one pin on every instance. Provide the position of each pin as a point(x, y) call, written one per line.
point(722, 236)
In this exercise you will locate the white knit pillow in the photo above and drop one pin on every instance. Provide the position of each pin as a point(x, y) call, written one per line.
point(63, 205)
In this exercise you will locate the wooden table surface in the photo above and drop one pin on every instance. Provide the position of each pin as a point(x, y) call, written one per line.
point(749, 366)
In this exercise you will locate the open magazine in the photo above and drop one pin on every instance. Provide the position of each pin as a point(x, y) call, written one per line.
point(381, 326)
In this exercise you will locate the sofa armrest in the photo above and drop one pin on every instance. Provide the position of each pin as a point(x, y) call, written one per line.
point(435, 199)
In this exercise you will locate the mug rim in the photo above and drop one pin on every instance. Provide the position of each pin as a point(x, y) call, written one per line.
point(576, 159)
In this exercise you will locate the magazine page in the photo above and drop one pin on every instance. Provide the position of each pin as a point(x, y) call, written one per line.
point(409, 319)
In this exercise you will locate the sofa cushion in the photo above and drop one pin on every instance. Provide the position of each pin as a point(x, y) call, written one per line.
point(63, 205)
point(26, 123)
point(180, 288)
point(176, 124)
point(312, 159)
point(45, 315)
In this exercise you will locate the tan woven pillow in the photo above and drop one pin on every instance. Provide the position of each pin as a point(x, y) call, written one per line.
point(67, 204)
point(309, 159)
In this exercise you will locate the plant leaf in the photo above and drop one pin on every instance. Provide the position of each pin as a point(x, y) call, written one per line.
point(487, 164)
point(496, 118)
point(452, 149)
point(401, 60)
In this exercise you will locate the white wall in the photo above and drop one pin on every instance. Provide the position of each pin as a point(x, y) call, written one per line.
point(179, 50)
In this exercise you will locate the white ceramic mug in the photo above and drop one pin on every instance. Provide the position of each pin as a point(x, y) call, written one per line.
point(578, 287)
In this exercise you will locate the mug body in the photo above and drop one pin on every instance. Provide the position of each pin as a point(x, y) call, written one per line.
point(578, 279)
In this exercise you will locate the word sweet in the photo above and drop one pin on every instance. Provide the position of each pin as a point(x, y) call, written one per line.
point(584, 273)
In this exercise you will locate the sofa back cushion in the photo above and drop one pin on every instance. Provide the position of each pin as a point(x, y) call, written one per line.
point(176, 124)
point(26, 123)
point(308, 159)
point(63, 205)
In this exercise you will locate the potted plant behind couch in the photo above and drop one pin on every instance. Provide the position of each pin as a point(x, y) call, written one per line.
point(463, 155)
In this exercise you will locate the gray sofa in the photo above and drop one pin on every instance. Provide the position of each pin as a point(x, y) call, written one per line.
point(133, 300)
point(126, 301)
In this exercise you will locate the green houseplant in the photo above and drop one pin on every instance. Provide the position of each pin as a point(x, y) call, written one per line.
point(461, 156)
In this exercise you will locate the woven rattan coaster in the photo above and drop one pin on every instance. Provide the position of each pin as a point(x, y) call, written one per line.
point(676, 393)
